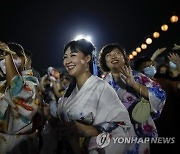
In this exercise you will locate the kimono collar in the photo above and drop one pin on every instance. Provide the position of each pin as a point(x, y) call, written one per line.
point(112, 82)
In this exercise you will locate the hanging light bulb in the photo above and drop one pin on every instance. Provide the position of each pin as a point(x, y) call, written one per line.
point(143, 46)
point(174, 18)
point(156, 34)
point(138, 49)
point(164, 27)
point(149, 40)
point(134, 53)
point(131, 56)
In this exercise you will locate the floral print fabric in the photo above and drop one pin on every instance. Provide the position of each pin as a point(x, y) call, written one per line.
point(129, 98)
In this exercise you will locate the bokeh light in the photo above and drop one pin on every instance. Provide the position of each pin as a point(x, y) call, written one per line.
point(149, 40)
point(156, 34)
point(164, 27)
point(174, 19)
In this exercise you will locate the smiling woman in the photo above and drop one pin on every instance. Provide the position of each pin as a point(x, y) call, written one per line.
point(85, 109)
point(136, 91)
point(76, 61)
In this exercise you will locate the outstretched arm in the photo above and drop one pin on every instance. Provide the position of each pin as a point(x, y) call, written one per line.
point(157, 53)
point(11, 70)
point(176, 47)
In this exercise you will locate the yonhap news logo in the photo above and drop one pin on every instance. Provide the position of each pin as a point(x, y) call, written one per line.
point(104, 140)
point(139, 140)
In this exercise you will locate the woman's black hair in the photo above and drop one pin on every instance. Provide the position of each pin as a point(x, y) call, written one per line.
point(105, 50)
point(28, 54)
point(17, 48)
point(86, 48)
point(83, 46)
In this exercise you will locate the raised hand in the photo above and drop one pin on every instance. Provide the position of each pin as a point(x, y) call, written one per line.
point(127, 75)
point(157, 53)
point(5, 48)
point(176, 47)
point(174, 57)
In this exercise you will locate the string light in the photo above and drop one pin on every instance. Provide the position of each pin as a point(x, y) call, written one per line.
point(131, 56)
point(156, 34)
point(138, 49)
point(164, 27)
point(143, 46)
point(148, 40)
point(134, 53)
point(174, 18)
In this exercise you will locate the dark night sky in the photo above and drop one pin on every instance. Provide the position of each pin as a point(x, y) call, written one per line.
point(44, 27)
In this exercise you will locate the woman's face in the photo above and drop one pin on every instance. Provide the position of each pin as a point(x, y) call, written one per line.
point(114, 59)
point(76, 63)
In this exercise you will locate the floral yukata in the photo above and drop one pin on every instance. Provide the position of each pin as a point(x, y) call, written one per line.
point(97, 104)
point(17, 108)
point(129, 98)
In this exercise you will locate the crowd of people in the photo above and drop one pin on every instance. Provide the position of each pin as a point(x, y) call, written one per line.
point(81, 111)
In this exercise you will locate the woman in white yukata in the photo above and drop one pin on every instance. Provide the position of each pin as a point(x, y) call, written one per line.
point(18, 105)
point(90, 106)
point(131, 86)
